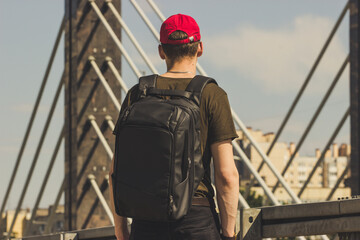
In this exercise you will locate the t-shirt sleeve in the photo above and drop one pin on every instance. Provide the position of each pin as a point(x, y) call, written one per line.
point(221, 124)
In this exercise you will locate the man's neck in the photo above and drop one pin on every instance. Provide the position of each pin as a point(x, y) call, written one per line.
point(185, 68)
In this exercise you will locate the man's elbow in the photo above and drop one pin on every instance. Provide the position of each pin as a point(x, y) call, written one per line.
point(228, 178)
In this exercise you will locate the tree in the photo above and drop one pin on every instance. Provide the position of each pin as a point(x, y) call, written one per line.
point(253, 199)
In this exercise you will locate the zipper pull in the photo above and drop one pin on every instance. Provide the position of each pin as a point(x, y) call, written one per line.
point(171, 200)
point(171, 204)
point(126, 114)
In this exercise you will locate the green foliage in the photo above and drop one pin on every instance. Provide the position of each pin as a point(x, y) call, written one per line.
point(253, 199)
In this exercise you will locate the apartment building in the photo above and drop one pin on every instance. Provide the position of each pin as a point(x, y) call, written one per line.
point(323, 180)
point(39, 222)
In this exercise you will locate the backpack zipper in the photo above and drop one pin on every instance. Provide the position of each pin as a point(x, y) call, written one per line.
point(192, 153)
point(171, 181)
point(190, 158)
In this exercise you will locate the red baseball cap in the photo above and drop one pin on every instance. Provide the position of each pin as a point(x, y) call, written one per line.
point(179, 22)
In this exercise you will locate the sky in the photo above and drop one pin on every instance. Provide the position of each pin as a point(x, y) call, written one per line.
point(258, 51)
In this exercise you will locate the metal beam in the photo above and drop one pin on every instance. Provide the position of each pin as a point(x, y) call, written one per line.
point(115, 38)
point(142, 14)
point(156, 10)
point(355, 95)
point(54, 207)
point(265, 158)
point(322, 156)
point(101, 136)
point(262, 183)
point(311, 219)
point(313, 227)
point(131, 36)
point(99, 194)
point(84, 234)
point(313, 119)
point(336, 186)
point(116, 74)
point(247, 162)
point(44, 183)
point(104, 83)
point(37, 153)
point(242, 202)
point(109, 121)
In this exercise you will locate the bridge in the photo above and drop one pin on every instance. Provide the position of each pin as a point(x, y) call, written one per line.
point(93, 84)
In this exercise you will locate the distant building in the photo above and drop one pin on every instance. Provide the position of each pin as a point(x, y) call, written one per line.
point(324, 178)
point(7, 219)
point(39, 222)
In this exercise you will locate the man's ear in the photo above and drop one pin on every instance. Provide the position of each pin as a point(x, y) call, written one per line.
point(200, 49)
point(161, 52)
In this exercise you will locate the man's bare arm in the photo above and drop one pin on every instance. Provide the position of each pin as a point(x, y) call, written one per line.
point(227, 185)
point(121, 230)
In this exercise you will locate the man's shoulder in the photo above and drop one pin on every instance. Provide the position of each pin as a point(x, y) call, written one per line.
point(133, 92)
point(213, 90)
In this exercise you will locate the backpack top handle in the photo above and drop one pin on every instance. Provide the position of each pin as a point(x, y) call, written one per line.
point(193, 91)
point(168, 92)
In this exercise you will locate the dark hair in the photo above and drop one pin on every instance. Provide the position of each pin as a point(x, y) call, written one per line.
point(176, 52)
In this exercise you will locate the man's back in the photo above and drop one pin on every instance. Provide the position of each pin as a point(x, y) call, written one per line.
point(216, 123)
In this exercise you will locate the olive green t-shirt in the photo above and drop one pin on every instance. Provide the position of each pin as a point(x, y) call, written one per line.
point(216, 123)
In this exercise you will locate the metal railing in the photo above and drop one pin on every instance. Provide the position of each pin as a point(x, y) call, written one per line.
point(341, 218)
point(103, 233)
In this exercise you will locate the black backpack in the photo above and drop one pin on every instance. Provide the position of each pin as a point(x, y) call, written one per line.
point(158, 160)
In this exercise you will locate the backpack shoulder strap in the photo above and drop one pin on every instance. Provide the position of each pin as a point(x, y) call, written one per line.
point(145, 83)
point(197, 85)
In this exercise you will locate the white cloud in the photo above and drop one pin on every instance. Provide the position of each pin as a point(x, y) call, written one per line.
point(8, 149)
point(22, 108)
point(27, 108)
point(278, 59)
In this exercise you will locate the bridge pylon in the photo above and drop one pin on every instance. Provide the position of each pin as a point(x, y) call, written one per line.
point(88, 44)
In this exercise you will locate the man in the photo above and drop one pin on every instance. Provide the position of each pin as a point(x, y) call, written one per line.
point(180, 47)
